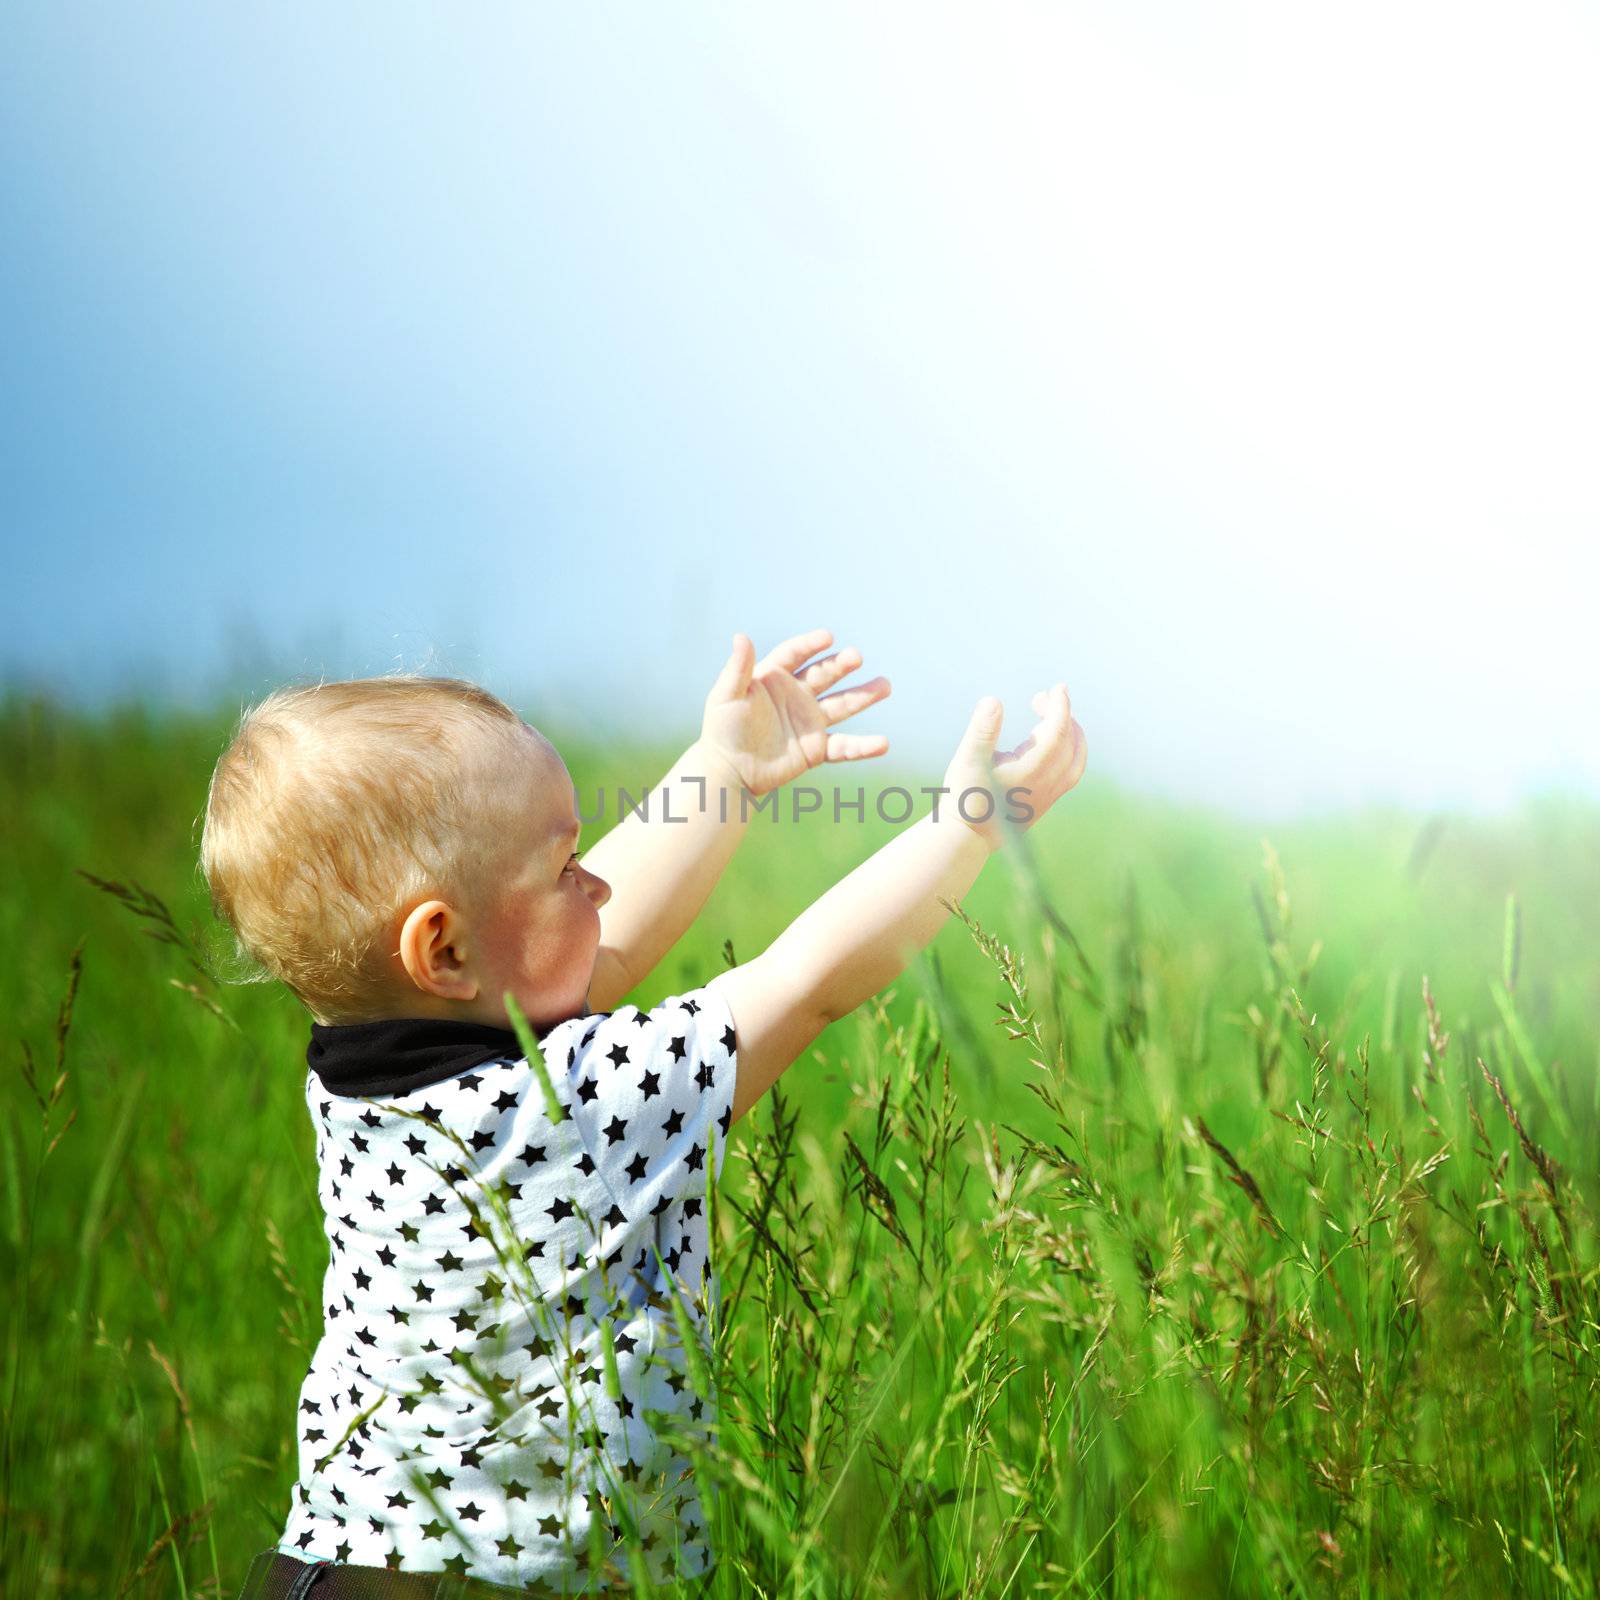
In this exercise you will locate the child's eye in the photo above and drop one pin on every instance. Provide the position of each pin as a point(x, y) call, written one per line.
point(573, 857)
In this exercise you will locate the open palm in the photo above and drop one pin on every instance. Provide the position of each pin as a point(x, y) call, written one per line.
point(771, 720)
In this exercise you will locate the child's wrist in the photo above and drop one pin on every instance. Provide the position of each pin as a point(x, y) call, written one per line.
point(704, 760)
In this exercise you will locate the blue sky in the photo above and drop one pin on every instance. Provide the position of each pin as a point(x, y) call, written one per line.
point(1236, 368)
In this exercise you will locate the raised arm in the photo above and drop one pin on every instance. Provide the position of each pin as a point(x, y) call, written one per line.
point(859, 936)
point(662, 860)
point(765, 723)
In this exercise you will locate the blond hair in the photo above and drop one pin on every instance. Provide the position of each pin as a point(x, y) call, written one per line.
point(336, 805)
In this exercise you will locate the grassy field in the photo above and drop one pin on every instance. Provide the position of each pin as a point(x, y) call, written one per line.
point(1212, 1214)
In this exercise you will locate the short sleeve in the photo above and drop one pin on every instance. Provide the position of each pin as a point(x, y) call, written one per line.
point(651, 1093)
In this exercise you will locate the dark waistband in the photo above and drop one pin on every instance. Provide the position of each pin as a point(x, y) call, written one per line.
point(276, 1575)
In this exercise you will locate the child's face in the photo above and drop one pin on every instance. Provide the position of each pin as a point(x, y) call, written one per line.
point(539, 937)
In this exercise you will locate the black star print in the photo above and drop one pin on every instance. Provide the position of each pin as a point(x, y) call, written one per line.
point(532, 1155)
point(585, 1164)
point(616, 1130)
point(549, 1527)
point(424, 1291)
point(680, 1047)
point(560, 1211)
point(650, 1084)
point(346, 1167)
point(516, 1491)
point(508, 1546)
point(398, 1502)
point(449, 1262)
point(618, 1054)
point(359, 1142)
point(433, 1529)
point(505, 1101)
point(510, 1191)
point(694, 1158)
point(587, 1091)
point(642, 1019)
point(725, 1120)
point(409, 1233)
point(399, 1315)
point(705, 1075)
point(428, 1114)
point(471, 1511)
point(456, 1565)
point(374, 1202)
point(471, 1081)
point(396, 1175)
point(674, 1124)
point(465, 1321)
point(363, 1281)
point(414, 1144)
point(616, 1216)
point(433, 1204)
point(637, 1168)
point(439, 1478)
point(482, 1139)
point(371, 1118)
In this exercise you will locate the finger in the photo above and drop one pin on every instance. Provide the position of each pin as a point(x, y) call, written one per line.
point(734, 678)
point(829, 670)
point(1061, 760)
point(1081, 758)
point(786, 657)
point(1053, 704)
point(855, 746)
point(983, 727)
point(846, 702)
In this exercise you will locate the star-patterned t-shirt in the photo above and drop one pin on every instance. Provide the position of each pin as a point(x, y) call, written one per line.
point(491, 1228)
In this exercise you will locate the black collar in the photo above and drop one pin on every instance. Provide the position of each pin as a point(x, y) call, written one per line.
point(399, 1054)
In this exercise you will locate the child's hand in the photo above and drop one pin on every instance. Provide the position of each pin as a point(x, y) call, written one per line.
point(1046, 764)
point(766, 719)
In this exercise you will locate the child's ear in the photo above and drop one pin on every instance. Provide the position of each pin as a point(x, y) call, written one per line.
point(433, 952)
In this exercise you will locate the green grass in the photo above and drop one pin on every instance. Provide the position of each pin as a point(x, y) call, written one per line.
point(1159, 1233)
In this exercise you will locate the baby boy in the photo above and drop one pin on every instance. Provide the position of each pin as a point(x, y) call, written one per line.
point(514, 1166)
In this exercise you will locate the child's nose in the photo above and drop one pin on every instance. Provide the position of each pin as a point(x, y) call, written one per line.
point(599, 889)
